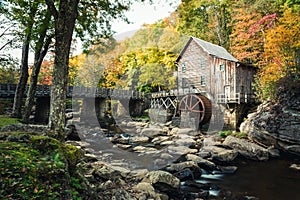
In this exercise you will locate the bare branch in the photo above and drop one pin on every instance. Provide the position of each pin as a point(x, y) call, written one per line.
point(7, 43)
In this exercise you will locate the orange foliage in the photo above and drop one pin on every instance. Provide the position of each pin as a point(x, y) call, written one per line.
point(245, 45)
point(113, 72)
point(281, 46)
point(45, 75)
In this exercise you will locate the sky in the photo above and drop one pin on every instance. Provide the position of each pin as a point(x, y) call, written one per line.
point(142, 13)
point(139, 14)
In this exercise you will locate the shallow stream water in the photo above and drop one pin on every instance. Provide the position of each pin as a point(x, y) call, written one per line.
point(271, 180)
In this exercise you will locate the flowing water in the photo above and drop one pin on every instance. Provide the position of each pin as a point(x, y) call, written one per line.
point(271, 180)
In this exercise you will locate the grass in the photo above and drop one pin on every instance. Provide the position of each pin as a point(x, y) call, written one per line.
point(5, 120)
point(224, 134)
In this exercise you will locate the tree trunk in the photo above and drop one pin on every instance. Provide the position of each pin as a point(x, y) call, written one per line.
point(20, 90)
point(39, 57)
point(21, 87)
point(41, 50)
point(65, 19)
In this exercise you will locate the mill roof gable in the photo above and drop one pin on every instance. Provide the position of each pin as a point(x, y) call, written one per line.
point(210, 48)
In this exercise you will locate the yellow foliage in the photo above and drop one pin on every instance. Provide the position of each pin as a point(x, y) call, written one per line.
point(281, 46)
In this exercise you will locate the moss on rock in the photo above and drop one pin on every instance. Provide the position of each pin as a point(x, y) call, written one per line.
point(39, 167)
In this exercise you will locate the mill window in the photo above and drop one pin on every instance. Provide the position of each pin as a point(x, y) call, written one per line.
point(202, 80)
point(222, 67)
point(202, 63)
point(183, 67)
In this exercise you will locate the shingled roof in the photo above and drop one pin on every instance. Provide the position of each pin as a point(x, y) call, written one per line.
point(211, 49)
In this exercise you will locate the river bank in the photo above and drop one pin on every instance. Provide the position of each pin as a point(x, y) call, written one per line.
point(159, 161)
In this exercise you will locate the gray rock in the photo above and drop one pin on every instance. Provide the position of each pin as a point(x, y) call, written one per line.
point(202, 163)
point(139, 139)
point(220, 154)
point(273, 152)
point(194, 170)
point(160, 139)
point(162, 178)
point(181, 150)
point(142, 149)
point(105, 172)
point(25, 128)
point(152, 132)
point(295, 167)
point(247, 149)
point(185, 142)
point(275, 123)
point(145, 189)
point(187, 131)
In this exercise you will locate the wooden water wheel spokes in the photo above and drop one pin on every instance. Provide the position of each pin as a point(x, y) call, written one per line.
point(191, 103)
point(196, 104)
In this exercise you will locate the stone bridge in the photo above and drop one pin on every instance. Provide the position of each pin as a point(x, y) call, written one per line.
point(8, 91)
point(88, 99)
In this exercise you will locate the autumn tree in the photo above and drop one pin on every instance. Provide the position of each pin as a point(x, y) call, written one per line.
point(45, 75)
point(246, 45)
point(281, 55)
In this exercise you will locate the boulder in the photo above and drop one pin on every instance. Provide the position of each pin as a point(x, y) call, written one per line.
point(145, 190)
point(152, 132)
point(187, 131)
point(187, 169)
point(185, 142)
point(220, 154)
point(202, 163)
point(278, 122)
point(142, 149)
point(181, 150)
point(162, 180)
point(247, 149)
point(105, 172)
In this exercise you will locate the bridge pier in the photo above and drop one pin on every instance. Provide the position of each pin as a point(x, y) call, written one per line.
point(128, 108)
point(93, 110)
point(42, 110)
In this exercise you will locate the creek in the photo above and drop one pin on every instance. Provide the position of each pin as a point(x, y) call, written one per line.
point(270, 180)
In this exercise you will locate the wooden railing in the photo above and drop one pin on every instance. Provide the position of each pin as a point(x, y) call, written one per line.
point(237, 98)
point(8, 91)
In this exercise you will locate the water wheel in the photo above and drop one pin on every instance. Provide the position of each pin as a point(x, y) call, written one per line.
point(194, 103)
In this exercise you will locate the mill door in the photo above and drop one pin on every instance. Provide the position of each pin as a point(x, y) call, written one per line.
point(227, 93)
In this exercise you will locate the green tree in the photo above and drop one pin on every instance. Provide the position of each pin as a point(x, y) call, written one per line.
point(35, 21)
point(149, 69)
point(8, 69)
point(206, 19)
point(23, 13)
point(44, 36)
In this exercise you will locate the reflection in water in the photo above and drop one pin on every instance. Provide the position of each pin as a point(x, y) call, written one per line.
point(271, 180)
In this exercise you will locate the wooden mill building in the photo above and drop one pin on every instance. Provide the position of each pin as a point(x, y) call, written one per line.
point(206, 69)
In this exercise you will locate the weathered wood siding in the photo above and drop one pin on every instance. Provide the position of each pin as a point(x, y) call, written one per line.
point(245, 78)
point(196, 63)
point(218, 73)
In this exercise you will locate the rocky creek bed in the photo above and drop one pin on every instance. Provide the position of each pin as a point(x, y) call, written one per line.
point(160, 161)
